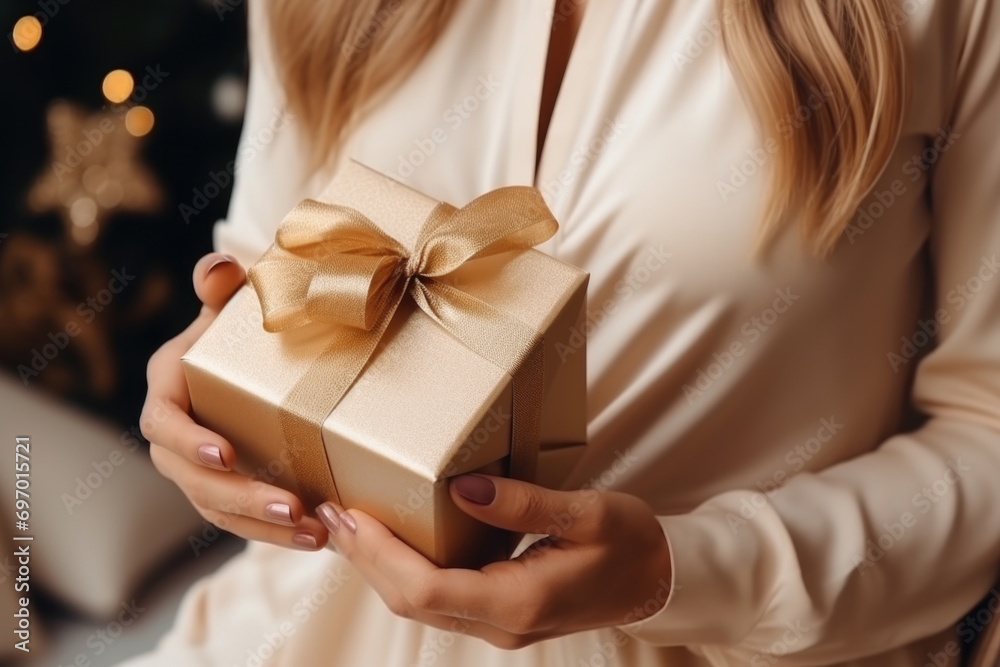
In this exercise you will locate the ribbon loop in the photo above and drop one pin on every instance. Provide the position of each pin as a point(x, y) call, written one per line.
point(284, 307)
point(352, 289)
point(329, 264)
point(316, 230)
point(452, 237)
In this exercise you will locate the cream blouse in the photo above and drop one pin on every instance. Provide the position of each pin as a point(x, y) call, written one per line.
point(820, 440)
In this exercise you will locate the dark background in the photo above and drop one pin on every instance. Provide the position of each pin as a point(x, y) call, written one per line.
point(196, 44)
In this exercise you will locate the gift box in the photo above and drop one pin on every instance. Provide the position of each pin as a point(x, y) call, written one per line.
point(388, 341)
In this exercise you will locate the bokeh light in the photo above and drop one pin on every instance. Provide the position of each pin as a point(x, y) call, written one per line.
point(117, 86)
point(139, 121)
point(229, 97)
point(111, 194)
point(27, 33)
point(83, 212)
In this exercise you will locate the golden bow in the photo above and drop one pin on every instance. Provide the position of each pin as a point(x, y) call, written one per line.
point(331, 264)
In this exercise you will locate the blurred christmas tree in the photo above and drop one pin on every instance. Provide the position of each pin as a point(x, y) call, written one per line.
point(115, 114)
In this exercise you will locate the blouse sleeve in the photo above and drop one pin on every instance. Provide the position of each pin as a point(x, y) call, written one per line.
point(902, 542)
point(270, 169)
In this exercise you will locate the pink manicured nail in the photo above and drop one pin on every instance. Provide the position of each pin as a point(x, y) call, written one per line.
point(211, 456)
point(479, 490)
point(280, 512)
point(305, 540)
point(349, 521)
point(222, 259)
point(329, 517)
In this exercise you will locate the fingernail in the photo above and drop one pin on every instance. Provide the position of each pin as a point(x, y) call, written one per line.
point(305, 540)
point(280, 512)
point(474, 488)
point(349, 521)
point(329, 517)
point(211, 456)
point(222, 259)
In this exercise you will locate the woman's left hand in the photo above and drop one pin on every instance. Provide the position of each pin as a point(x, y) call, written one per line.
point(605, 563)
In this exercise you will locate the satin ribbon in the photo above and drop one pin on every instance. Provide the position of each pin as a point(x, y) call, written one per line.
point(333, 265)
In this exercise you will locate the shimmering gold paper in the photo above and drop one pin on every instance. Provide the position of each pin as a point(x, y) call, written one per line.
point(424, 408)
point(332, 264)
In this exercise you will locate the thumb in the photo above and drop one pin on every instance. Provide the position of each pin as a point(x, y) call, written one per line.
point(216, 278)
point(577, 516)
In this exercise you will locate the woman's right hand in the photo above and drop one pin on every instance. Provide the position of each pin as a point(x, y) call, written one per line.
point(199, 461)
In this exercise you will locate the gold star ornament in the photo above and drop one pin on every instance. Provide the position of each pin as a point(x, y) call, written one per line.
point(94, 169)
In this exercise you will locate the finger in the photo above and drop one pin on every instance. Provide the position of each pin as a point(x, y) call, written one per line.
point(387, 573)
point(165, 419)
point(234, 493)
point(169, 354)
point(481, 595)
point(261, 531)
point(357, 534)
point(400, 569)
point(397, 603)
point(577, 516)
point(165, 424)
point(216, 278)
point(232, 502)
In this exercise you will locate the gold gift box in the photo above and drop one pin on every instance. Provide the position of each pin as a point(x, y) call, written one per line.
point(424, 408)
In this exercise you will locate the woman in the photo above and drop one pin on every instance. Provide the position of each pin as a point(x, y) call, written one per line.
point(790, 212)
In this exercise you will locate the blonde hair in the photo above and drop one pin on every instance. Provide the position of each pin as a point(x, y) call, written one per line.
point(336, 57)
